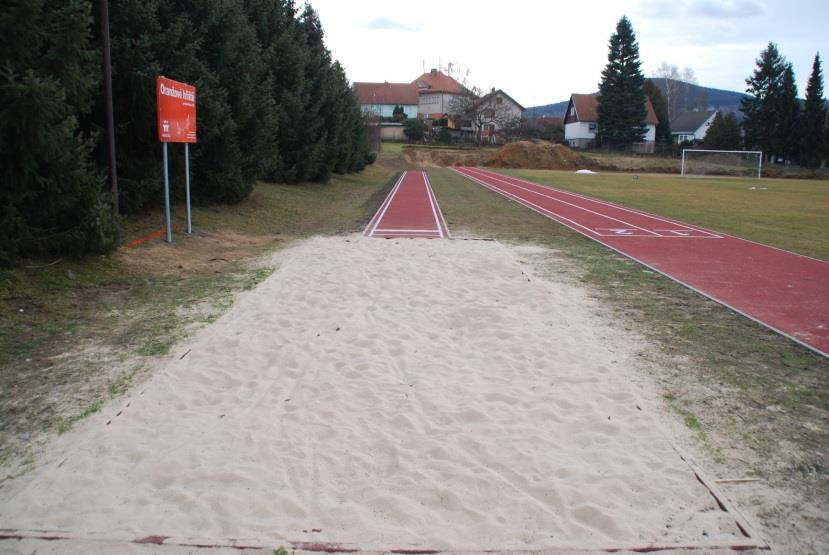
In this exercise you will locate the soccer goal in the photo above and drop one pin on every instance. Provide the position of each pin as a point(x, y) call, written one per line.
point(737, 163)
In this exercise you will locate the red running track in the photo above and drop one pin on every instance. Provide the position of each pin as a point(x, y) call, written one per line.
point(410, 210)
point(784, 291)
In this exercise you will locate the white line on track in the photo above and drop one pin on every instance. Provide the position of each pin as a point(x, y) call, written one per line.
point(431, 202)
point(439, 211)
point(541, 210)
point(573, 205)
point(407, 231)
point(385, 206)
point(610, 204)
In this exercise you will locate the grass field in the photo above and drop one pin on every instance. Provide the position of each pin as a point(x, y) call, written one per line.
point(791, 214)
point(736, 384)
point(78, 332)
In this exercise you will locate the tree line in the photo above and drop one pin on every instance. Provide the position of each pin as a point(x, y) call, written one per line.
point(775, 120)
point(272, 104)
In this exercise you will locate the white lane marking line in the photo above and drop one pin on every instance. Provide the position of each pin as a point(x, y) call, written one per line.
point(573, 205)
point(694, 233)
point(385, 230)
point(603, 202)
point(440, 212)
point(431, 202)
point(543, 211)
point(377, 216)
point(388, 202)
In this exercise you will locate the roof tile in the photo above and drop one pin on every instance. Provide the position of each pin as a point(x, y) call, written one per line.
point(387, 93)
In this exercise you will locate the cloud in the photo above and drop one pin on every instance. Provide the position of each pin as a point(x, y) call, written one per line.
point(703, 9)
point(726, 9)
point(388, 24)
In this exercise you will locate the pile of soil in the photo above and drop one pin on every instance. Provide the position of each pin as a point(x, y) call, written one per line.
point(442, 157)
point(545, 156)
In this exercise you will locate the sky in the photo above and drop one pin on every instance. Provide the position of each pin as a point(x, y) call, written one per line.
point(540, 51)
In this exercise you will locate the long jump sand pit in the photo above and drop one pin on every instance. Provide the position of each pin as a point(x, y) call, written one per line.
point(378, 395)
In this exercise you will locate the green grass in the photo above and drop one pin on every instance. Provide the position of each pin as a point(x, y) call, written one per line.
point(75, 333)
point(791, 214)
point(729, 373)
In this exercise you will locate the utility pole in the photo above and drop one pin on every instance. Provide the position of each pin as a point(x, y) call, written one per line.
point(103, 7)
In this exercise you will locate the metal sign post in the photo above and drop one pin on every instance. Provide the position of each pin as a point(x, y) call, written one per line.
point(187, 186)
point(176, 124)
point(167, 224)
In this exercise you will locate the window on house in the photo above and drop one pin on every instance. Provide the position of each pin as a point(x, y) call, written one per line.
point(499, 100)
point(592, 126)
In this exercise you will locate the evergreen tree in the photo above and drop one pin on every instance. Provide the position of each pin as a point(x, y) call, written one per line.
point(813, 128)
point(414, 130)
point(622, 108)
point(398, 114)
point(284, 56)
point(51, 196)
point(762, 117)
point(788, 110)
point(724, 133)
point(660, 107)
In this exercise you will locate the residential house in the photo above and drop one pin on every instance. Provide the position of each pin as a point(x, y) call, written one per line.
point(495, 115)
point(380, 99)
point(581, 123)
point(437, 94)
point(691, 127)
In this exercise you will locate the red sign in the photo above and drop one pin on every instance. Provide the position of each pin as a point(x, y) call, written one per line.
point(176, 111)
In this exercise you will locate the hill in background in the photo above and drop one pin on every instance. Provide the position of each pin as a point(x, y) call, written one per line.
point(692, 97)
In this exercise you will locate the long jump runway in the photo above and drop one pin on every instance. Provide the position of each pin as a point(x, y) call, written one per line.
point(410, 210)
point(784, 291)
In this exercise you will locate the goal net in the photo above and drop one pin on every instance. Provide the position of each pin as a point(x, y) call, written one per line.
point(737, 163)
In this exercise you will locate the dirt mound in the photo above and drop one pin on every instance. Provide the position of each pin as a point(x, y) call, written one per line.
point(442, 157)
point(545, 156)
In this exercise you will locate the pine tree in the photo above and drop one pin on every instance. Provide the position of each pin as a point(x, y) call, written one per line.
point(622, 109)
point(724, 133)
point(813, 128)
point(762, 119)
point(788, 110)
point(660, 107)
point(51, 196)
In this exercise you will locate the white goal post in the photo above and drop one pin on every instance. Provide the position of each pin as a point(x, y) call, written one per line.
point(741, 163)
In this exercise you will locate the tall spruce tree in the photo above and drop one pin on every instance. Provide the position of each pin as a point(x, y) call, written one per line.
point(622, 109)
point(788, 110)
point(762, 109)
point(51, 196)
point(813, 127)
point(660, 107)
point(724, 133)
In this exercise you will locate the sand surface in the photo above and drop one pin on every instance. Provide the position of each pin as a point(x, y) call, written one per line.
point(382, 394)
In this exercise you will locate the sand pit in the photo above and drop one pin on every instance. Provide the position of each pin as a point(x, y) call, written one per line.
point(381, 394)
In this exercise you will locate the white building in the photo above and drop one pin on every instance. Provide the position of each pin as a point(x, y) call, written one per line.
point(581, 123)
point(691, 127)
point(437, 93)
point(495, 113)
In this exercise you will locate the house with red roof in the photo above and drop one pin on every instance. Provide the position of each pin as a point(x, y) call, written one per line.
point(436, 98)
point(581, 123)
point(380, 99)
point(437, 94)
